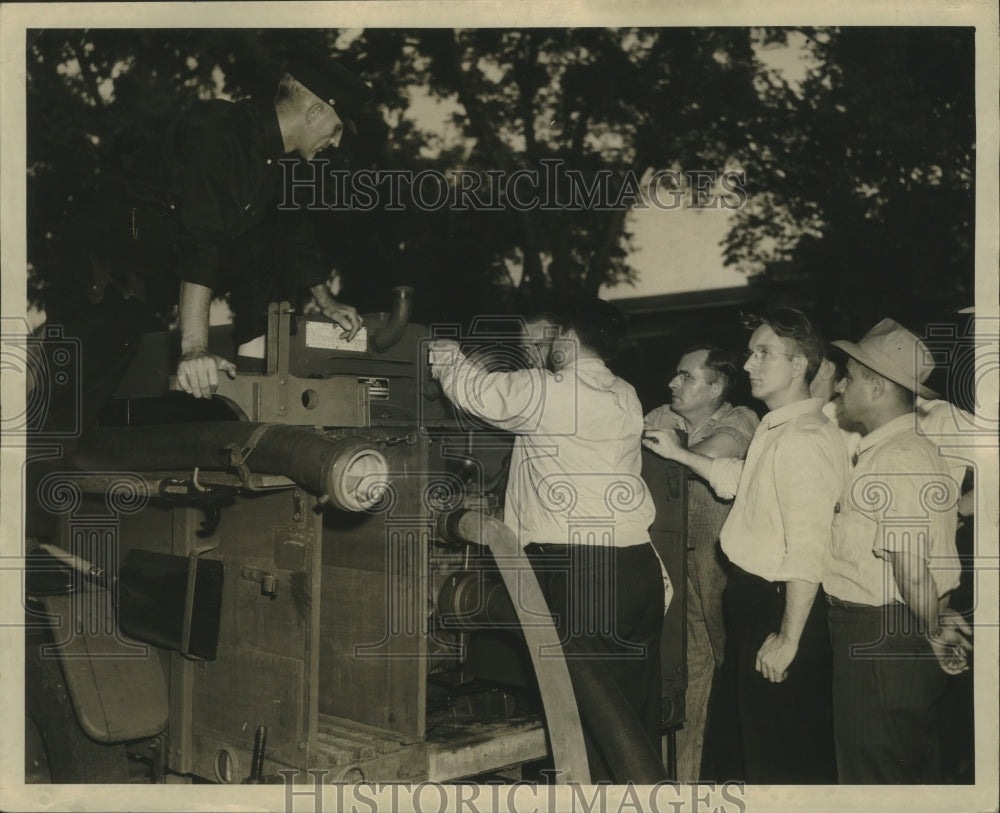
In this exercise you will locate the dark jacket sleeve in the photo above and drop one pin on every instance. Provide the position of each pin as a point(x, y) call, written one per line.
point(226, 201)
point(209, 186)
point(299, 249)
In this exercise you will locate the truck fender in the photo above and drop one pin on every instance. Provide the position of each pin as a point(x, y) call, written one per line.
point(116, 684)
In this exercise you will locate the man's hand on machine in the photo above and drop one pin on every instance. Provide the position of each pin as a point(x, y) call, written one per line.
point(346, 316)
point(198, 373)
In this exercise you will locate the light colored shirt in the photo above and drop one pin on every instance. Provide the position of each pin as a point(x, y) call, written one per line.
point(705, 510)
point(955, 432)
point(785, 493)
point(575, 467)
point(899, 498)
point(851, 438)
point(738, 422)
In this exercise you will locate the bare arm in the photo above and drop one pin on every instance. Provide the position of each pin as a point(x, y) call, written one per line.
point(197, 372)
point(779, 649)
point(701, 458)
point(721, 444)
point(919, 591)
point(665, 443)
point(343, 315)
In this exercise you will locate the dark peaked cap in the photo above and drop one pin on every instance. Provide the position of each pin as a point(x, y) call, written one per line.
point(313, 67)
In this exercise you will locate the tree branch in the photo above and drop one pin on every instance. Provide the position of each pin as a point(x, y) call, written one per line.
point(88, 74)
point(496, 151)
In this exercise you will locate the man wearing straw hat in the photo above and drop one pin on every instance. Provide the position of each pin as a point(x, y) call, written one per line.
point(889, 569)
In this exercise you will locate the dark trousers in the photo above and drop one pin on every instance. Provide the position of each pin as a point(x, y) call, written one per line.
point(607, 605)
point(722, 754)
point(784, 729)
point(957, 708)
point(886, 688)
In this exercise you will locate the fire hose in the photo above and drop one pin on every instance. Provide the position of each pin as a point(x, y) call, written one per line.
point(599, 702)
point(350, 473)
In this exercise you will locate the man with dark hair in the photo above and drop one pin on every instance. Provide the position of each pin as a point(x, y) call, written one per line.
point(776, 537)
point(889, 571)
point(700, 408)
point(824, 385)
point(575, 497)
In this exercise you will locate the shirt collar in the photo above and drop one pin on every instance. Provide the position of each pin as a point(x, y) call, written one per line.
point(593, 367)
point(896, 426)
point(590, 363)
point(723, 409)
point(267, 133)
point(788, 411)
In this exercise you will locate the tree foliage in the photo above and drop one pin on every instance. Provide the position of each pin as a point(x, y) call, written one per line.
point(96, 97)
point(861, 181)
point(619, 102)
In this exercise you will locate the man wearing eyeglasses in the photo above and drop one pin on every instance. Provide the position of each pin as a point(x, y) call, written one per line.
point(776, 537)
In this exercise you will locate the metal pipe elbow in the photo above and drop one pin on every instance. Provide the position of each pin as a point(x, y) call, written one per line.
point(399, 318)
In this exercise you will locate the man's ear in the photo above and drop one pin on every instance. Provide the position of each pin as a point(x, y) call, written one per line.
point(876, 385)
point(716, 388)
point(827, 370)
point(314, 111)
point(799, 366)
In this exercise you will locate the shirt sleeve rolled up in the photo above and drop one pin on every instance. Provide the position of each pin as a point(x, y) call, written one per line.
point(724, 476)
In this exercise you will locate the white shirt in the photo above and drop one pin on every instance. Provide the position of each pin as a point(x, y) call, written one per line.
point(785, 493)
point(575, 467)
point(899, 497)
point(851, 438)
point(955, 432)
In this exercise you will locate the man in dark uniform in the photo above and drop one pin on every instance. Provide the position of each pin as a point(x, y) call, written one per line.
point(198, 219)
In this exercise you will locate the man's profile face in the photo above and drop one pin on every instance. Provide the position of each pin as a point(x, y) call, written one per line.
point(689, 388)
point(324, 130)
point(769, 363)
point(851, 398)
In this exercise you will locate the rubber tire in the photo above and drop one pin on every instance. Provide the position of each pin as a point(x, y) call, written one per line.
point(71, 755)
